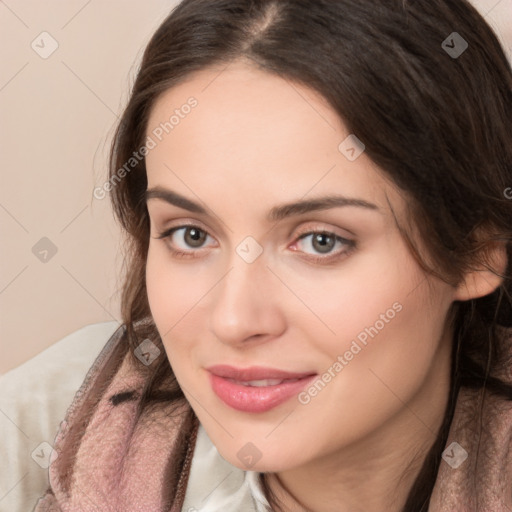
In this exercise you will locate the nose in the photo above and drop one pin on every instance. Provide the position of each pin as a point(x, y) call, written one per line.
point(245, 306)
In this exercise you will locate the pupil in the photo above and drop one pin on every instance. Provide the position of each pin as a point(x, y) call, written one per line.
point(323, 242)
point(194, 237)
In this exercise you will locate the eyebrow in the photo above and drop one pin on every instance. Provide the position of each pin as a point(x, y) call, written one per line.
point(276, 213)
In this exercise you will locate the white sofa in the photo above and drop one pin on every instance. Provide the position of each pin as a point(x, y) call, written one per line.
point(34, 398)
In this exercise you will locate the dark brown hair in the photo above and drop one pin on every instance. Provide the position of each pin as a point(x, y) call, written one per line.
point(438, 126)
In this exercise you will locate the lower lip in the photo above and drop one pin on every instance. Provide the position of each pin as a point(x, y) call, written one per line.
point(256, 399)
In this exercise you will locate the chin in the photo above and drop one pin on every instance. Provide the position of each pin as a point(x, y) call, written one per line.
point(255, 457)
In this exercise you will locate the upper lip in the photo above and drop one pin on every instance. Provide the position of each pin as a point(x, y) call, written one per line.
point(254, 373)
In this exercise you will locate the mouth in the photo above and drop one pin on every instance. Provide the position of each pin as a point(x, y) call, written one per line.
point(256, 389)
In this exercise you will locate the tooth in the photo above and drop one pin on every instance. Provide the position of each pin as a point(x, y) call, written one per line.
point(263, 382)
point(267, 382)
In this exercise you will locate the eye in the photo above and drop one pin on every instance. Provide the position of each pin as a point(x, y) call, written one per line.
point(182, 240)
point(321, 242)
point(323, 245)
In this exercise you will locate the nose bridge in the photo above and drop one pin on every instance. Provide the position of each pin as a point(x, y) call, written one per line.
point(245, 304)
point(244, 285)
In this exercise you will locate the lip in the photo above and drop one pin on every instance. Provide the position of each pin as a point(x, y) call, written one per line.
point(255, 399)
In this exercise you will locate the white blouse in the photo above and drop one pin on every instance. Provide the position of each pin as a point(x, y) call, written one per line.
point(215, 485)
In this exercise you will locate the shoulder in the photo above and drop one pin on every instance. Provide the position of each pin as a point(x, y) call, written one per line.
point(34, 398)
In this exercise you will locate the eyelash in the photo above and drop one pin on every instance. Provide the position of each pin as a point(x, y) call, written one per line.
point(349, 244)
point(176, 252)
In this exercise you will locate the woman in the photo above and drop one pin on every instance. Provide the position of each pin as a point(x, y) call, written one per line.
point(318, 284)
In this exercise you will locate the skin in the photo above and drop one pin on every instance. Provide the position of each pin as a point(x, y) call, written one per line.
point(253, 142)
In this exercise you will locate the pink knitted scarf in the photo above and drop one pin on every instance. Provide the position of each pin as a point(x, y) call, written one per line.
point(110, 459)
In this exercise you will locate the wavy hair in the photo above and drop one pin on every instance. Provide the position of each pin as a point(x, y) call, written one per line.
point(437, 126)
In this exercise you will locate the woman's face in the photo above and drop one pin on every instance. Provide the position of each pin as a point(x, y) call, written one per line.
point(296, 320)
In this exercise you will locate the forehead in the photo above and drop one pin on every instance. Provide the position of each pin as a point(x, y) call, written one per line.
point(255, 134)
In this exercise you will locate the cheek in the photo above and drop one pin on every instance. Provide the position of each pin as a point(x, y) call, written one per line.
point(173, 290)
point(379, 360)
point(385, 330)
point(358, 300)
point(162, 291)
point(176, 296)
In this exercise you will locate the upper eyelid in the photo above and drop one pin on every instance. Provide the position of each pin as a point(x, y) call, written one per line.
point(176, 223)
point(163, 227)
point(172, 229)
point(302, 232)
point(299, 218)
point(331, 231)
point(162, 217)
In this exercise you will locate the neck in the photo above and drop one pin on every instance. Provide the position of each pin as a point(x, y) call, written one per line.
point(378, 471)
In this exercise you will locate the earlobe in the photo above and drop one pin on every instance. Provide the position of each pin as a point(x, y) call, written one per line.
point(484, 280)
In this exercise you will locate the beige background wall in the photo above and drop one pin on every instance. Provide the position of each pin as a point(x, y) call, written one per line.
point(60, 247)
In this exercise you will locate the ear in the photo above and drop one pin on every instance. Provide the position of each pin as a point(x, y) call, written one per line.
point(484, 280)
